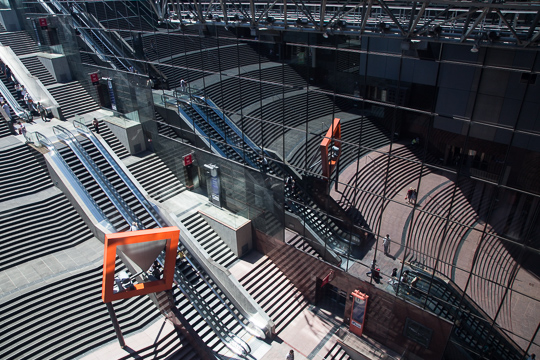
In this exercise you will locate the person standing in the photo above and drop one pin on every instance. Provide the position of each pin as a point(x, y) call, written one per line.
point(96, 125)
point(42, 111)
point(5, 106)
point(386, 244)
point(8, 73)
point(290, 355)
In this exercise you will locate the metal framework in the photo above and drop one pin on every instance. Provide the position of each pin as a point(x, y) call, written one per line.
point(481, 22)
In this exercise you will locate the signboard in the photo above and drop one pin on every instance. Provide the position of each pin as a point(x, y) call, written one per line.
point(43, 22)
point(358, 312)
point(94, 78)
point(213, 184)
point(328, 278)
point(188, 160)
point(111, 94)
point(418, 332)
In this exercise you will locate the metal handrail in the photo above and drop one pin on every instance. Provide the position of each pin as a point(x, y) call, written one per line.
point(196, 301)
point(55, 155)
point(251, 331)
point(219, 130)
point(13, 103)
point(123, 208)
point(83, 129)
point(213, 146)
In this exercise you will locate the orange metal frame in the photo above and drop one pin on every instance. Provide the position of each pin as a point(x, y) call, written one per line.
point(171, 234)
point(333, 134)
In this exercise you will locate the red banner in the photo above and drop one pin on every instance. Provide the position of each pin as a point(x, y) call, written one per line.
point(94, 78)
point(188, 160)
point(328, 278)
point(43, 22)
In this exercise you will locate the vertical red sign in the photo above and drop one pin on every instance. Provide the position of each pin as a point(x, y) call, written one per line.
point(188, 160)
point(94, 78)
point(43, 22)
point(358, 312)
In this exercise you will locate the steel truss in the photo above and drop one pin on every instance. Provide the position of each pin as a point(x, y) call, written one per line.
point(481, 22)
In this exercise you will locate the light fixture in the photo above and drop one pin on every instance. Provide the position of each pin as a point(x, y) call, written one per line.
point(474, 48)
point(325, 35)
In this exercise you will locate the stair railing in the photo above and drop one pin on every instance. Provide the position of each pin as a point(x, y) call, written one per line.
point(119, 203)
point(208, 140)
point(39, 139)
point(83, 129)
point(223, 131)
point(205, 311)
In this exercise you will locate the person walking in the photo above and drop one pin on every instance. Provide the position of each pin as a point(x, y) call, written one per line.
point(386, 244)
point(42, 111)
point(290, 355)
point(96, 125)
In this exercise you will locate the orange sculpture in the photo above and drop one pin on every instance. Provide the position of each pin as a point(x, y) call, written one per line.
point(332, 138)
point(112, 241)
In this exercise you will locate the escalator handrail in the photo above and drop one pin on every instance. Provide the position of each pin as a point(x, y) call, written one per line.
point(184, 287)
point(44, 141)
point(231, 124)
point(14, 104)
point(119, 203)
point(211, 144)
point(215, 126)
point(224, 303)
point(83, 129)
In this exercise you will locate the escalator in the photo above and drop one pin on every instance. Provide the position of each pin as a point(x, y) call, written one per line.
point(198, 298)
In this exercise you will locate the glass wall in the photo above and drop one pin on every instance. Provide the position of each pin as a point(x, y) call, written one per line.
point(436, 168)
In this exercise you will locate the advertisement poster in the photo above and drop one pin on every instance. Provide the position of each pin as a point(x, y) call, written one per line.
point(358, 312)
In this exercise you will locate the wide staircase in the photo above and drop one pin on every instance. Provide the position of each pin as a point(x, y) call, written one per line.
point(36, 68)
point(66, 318)
point(156, 178)
point(40, 228)
point(337, 353)
point(20, 42)
point(23, 173)
point(209, 240)
point(73, 99)
point(299, 109)
point(394, 169)
point(111, 140)
point(4, 128)
point(301, 244)
point(274, 292)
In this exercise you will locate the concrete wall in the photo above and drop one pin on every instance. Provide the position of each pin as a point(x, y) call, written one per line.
point(57, 66)
point(9, 19)
point(129, 133)
point(234, 237)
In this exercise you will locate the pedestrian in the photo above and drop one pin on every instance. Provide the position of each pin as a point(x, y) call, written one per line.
point(386, 244)
point(18, 90)
point(290, 355)
point(394, 273)
point(42, 111)
point(414, 282)
point(5, 107)
point(405, 277)
point(183, 85)
point(22, 129)
point(532, 357)
point(8, 73)
point(409, 195)
point(96, 125)
point(133, 226)
point(414, 193)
